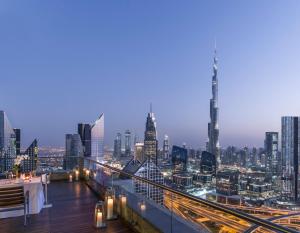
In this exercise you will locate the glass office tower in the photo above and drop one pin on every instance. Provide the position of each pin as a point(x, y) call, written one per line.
point(290, 157)
point(18, 141)
point(272, 155)
point(84, 130)
point(74, 150)
point(97, 138)
point(30, 164)
point(118, 146)
point(127, 143)
point(150, 141)
point(7, 143)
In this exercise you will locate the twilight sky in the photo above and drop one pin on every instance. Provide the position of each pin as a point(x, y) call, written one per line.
point(64, 62)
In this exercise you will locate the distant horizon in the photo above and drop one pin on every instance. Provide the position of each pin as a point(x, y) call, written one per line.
point(64, 63)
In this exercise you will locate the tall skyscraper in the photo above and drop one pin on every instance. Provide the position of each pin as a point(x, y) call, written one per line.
point(73, 150)
point(118, 146)
point(150, 142)
point(84, 130)
point(179, 158)
point(166, 147)
point(148, 168)
point(127, 143)
point(92, 137)
point(30, 164)
point(271, 150)
point(97, 138)
point(208, 163)
point(7, 143)
point(290, 133)
point(18, 141)
point(213, 125)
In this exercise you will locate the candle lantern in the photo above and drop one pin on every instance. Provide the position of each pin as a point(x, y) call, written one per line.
point(77, 175)
point(110, 203)
point(70, 178)
point(87, 174)
point(122, 204)
point(143, 207)
point(100, 215)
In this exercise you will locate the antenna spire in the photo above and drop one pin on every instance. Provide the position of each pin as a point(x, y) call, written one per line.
point(215, 45)
point(150, 107)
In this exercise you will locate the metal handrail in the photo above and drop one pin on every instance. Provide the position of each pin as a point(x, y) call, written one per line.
point(261, 222)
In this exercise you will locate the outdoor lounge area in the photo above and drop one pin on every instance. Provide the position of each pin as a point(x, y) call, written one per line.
point(72, 211)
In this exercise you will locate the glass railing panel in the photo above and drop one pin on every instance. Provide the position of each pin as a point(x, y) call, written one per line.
point(151, 206)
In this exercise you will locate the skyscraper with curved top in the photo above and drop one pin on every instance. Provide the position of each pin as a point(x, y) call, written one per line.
point(97, 138)
point(213, 125)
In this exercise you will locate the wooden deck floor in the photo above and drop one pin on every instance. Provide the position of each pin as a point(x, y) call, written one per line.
point(72, 211)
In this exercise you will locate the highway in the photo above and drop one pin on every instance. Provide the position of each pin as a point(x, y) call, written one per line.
point(219, 221)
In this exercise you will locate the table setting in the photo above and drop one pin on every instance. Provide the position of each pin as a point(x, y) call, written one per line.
point(31, 183)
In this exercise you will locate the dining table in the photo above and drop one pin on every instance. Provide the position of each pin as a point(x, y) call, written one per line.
point(36, 195)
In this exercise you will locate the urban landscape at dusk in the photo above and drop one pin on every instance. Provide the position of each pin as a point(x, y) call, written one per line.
point(138, 116)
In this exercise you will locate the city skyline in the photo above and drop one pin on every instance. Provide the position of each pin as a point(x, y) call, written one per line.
point(73, 73)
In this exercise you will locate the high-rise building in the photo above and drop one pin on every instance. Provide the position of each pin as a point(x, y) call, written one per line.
point(7, 143)
point(213, 126)
point(254, 156)
point(150, 171)
point(148, 168)
point(73, 150)
point(179, 158)
point(84, 130)
point(18, 141)
point(166, 148)
point(290, 141)
point(92, 137)
point(30, 164)
point(97, 138)
point(127, 143)
point(227, 182)
point(272, 155)
point(150, 142)
point(118, 146)
point(244, 157)
point(208, 163)
point(139, 151)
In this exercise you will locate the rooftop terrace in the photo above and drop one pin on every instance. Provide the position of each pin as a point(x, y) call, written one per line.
point(72, 211)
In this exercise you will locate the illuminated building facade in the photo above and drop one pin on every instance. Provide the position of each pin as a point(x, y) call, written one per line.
point(179, 158)
point(150, 141)
point(166, 147)
point(127, 143)
point(227, 182)
point(208, 163)
point(18, 141)
point(92, 137)
point(213, 145)
point(290, 133)
point(7, 143)
point(118, 146)
point(73, 150)
point(272, 160)
point(30, 164)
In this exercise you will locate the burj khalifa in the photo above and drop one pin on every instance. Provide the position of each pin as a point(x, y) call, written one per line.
point(213, 145)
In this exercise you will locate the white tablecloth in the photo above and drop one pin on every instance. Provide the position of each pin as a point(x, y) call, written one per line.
point(36, 197)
